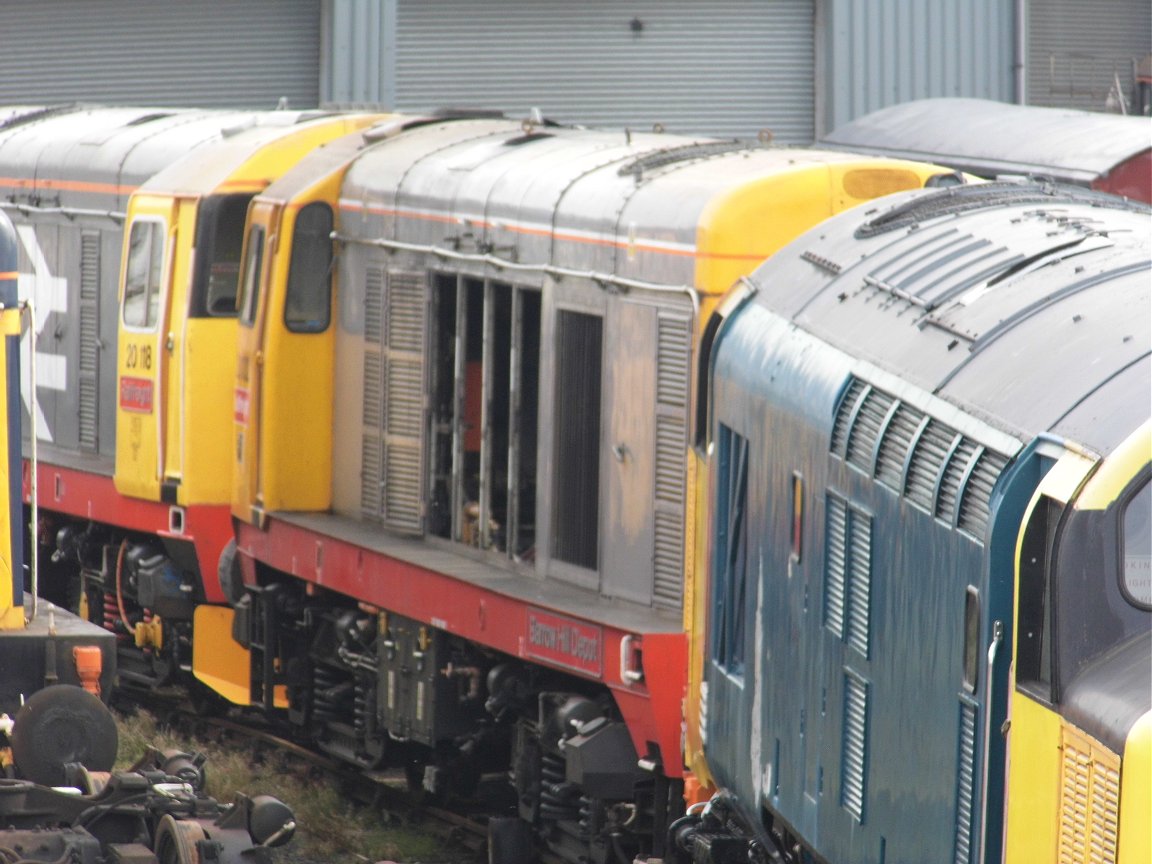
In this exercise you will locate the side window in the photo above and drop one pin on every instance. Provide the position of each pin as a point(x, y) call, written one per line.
point(219, 238)
point(1137, 548)
point(143, 274)
point(576, 512)
point(730, 561)
point(1034, 629)
point(308, 303)
point(250, 287)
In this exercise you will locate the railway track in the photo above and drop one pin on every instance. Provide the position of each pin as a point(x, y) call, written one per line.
point(462, 823)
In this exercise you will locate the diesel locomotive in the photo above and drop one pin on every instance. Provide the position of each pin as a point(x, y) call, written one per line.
point(132, 505)
point(460, 453)
point(928, 444)
point(404, 444)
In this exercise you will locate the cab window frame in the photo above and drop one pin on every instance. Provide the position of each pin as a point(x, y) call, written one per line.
point(308, 290)
point(153, 293)
point(1142, 485)
point(251, 274)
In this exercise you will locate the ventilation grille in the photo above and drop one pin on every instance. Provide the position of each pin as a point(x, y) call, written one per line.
point(88, 379)
point(860, 581)
point(894, 446)
point(928, 455)
point(952, 479)
point(674, 354)
point(393, 399)
point(1089, 801)
point(668, 587)
point(854, 750)
point(835, 564)
point(372, 403)
point(404, 400)
point(871, 418)
point(965, 784)
point(374, 305)
point(974, 506)
point(848, 572)
point(935, 467)
point(845, 415)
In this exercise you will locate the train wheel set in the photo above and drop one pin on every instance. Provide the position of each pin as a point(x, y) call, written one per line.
point(733, 501)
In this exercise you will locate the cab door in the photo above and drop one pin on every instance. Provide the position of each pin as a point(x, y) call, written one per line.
point(143, 361)
point(257, 261)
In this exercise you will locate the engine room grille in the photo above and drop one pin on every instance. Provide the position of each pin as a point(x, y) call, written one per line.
point(393, 398)
point(674, 353)
point(930, 463)
point(1089, 800)
point(89, 341)
point(848, 572)
point(965, 783)
point(854, 745)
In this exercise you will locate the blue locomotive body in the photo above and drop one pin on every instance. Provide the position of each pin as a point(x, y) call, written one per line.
point(882, 407)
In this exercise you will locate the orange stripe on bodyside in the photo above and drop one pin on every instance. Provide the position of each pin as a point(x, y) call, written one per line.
point(67, 185)
point(10, 274)
point(556, 235)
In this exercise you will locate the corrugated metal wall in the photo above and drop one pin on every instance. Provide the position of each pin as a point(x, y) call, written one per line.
point(729, 67)
point(209, 53)
point(883, 52)
point(1077, 50)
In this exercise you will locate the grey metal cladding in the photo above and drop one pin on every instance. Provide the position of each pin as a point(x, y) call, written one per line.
point(1078, 51)
point(198, 53)
point(1070, 281)
point(729, 68)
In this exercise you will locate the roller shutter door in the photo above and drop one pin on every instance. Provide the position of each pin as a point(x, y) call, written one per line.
point(1077, 50)
point(730, 67)
point(208, 53)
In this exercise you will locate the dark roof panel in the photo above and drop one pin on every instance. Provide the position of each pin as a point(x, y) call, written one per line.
point(990, 138)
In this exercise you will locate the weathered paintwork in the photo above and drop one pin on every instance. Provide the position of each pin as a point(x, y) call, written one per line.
point(1009, 322)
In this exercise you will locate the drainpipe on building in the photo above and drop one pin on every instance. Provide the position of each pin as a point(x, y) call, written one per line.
point(1020, 11)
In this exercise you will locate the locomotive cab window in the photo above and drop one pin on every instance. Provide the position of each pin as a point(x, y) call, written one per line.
point(484, 379)
point(219, 241)
point(1136, 576)
point(143, 273)
point(730, 560)
point(250, 287)
point(308, 302)
point(1034, 630)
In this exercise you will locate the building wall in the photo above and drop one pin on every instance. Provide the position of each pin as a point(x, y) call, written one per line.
point(209, 53)
point(727, 68)
point(1080, 52)
point(883, 52)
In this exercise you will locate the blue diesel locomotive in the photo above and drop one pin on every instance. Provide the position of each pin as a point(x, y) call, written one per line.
point(929, 601)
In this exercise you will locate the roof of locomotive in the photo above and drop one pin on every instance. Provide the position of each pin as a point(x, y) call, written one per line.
point(1026, 305)
point(609, 193)
point(93, 157)
point(994, 138)
point(239, 148)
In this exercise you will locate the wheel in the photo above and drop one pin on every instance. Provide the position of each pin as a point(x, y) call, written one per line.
point(176, 841)
point(61, 724)
point(510, 842)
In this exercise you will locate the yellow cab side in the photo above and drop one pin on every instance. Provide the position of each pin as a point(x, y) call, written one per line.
point(1070, 797)
point(178, 455)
